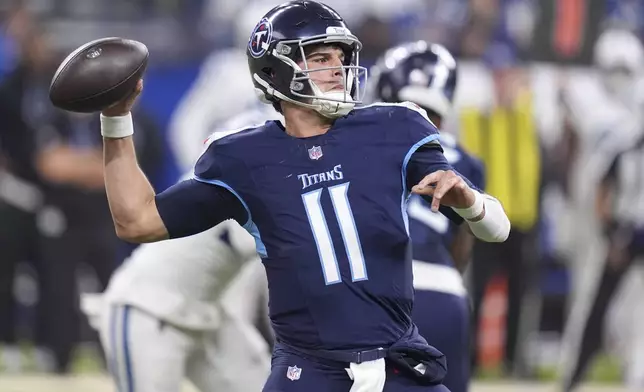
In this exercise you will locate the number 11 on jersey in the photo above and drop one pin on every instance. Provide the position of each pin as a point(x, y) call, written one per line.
point(326, 250)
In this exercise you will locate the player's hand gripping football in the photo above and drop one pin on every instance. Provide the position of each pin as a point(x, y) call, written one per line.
point(123, 107)
point(447, 188)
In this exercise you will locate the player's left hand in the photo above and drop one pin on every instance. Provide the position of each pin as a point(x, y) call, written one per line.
point(447, 188)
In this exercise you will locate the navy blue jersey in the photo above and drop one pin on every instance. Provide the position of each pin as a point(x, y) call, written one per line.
point(329, 215)
point(432, 233)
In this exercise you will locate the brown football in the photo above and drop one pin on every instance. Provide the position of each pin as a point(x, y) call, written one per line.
point(98, 74)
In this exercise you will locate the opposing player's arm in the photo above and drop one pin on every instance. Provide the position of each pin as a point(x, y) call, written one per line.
point(605, 194)
point(434, 177)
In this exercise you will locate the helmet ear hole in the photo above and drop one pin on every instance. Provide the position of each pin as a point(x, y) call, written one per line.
point(349, 52)
point(268, 72)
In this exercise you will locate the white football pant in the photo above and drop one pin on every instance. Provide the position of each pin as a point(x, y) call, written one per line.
point(146, 355)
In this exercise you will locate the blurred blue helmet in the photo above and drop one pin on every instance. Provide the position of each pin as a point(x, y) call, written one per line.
point(419, 72)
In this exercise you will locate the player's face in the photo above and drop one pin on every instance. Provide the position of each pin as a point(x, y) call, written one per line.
point(322, 57)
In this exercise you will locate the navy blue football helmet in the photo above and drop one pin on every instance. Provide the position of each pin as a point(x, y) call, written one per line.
point(419, 72)
point(278, 43)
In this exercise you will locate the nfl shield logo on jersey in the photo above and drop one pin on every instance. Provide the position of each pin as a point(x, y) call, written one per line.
point(293, 373)
point(315, 152)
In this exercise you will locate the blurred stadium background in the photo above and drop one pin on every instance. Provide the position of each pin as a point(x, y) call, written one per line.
point(538, 101)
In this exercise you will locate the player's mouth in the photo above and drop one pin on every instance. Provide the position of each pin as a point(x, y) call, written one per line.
point(336, 87)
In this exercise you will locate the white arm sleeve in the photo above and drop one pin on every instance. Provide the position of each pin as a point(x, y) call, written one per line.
point(495, 225)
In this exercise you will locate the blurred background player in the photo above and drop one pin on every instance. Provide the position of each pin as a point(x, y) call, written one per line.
point(56, 211)
point(603, 117)
point(20, 182)
point(162, 319)
point(426, 74)
point(621, 216)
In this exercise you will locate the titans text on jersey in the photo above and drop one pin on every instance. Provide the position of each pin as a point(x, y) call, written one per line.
point(312, 179)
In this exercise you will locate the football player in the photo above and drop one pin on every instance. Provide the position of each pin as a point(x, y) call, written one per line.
point(325, 196)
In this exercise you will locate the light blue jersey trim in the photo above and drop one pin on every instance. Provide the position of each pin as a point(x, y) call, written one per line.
point(126, 351)
point(112, 359)
point(250, 226)
point(405, 194)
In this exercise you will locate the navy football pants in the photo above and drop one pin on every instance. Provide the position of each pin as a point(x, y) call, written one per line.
point(320, 375)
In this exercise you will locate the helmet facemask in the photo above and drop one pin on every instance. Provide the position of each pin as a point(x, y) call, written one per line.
point(303, 90)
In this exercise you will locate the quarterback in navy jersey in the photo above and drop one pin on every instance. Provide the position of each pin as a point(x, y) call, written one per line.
point(426, 74)
point(325, 196)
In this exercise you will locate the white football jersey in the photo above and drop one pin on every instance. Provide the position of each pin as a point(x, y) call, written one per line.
point(602, 125)
point(181, 280)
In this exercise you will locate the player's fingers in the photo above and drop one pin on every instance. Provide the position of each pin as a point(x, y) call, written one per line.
point(447, 185)
point(129, 101)
point(444, 186)
point(436, 203)
point(429, 190)
point(431, 178)
point(439, 191)
point(137, 90)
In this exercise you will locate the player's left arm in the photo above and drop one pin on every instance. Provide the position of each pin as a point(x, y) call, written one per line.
point(428, 174)
point(463, 241)
point(434, 177)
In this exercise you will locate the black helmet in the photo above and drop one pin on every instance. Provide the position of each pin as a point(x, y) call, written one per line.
point(419, 72)
point(276, 45)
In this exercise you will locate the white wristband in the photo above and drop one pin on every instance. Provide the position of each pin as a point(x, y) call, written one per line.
point(117, 127)
point(474, 210)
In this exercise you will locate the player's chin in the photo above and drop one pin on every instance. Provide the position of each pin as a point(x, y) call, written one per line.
point(337, 88)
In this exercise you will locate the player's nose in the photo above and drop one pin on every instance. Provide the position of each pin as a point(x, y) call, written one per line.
point(337, 72)
point(336, 61)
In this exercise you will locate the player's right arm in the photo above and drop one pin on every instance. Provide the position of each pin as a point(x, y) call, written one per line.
point(139, 215)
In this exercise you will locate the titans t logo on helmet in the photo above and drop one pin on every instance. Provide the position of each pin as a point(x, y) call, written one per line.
point(260, 38)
